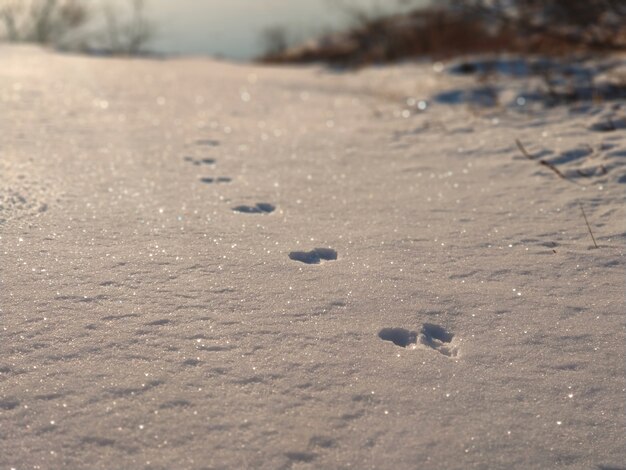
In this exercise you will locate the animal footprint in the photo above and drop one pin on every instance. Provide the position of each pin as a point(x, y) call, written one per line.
point(398, 336)
point(200, 161)
point(609, 124)
point(433, 336)
point(437, 338)
point(259, 208)
point(314, 256)
point(220, 179)
point(208, 142)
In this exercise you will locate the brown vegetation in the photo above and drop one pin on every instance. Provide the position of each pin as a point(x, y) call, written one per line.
point(43, 21)
point(473, 26)
point(63, 24)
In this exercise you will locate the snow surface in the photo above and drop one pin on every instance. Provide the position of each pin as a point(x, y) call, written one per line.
point(147, 321)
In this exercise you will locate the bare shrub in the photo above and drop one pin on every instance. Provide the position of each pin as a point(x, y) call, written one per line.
point(274, 40)
point(554, 25)
point(131, 35)
point(455, 27)
point(68, 24)
point(42, 21)
point(433, 32)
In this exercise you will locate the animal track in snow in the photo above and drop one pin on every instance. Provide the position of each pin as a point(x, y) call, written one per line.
point(314, 256)
point(219, 179)
point(398, 336)
point(8, 404)
point(259, 208)
point(438, 338)
point(208, 142)
point(306, 457)
point(433, 336)
point(608, 124)
point(200, 161)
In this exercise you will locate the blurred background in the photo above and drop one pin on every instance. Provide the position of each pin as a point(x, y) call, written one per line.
point(233, 29)
point(342, 32)
point(244, 29)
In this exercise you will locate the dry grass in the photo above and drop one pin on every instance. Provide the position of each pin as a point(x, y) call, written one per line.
point(588, 226)
point(543, 162)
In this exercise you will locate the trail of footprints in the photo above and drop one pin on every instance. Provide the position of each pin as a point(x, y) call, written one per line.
point(259, 208)
point(431, 336)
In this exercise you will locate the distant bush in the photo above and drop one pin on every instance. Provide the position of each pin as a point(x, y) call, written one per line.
point(42, 21)
point(127, 36)
point(432, 32)
point(69, 24)
point(275, 40)
point(458, 27)
point(554, 24)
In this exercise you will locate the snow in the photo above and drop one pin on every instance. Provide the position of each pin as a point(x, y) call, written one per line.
point(148, 323)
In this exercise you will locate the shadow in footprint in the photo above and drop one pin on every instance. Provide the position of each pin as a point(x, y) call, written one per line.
point(208, 142)
point(301, 456)
point(259, 208)
point(436, 332)
point(220, 179)
point(571, 155)
point(608, 124)
point(437, 338)
point(7, 404)
point(434, 336)
point(398, 336)
point(314, 256)
point(200, 161)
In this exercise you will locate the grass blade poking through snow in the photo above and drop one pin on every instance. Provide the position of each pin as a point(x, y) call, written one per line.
point(523, 150)
point(545, 163)
point(588, 226)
